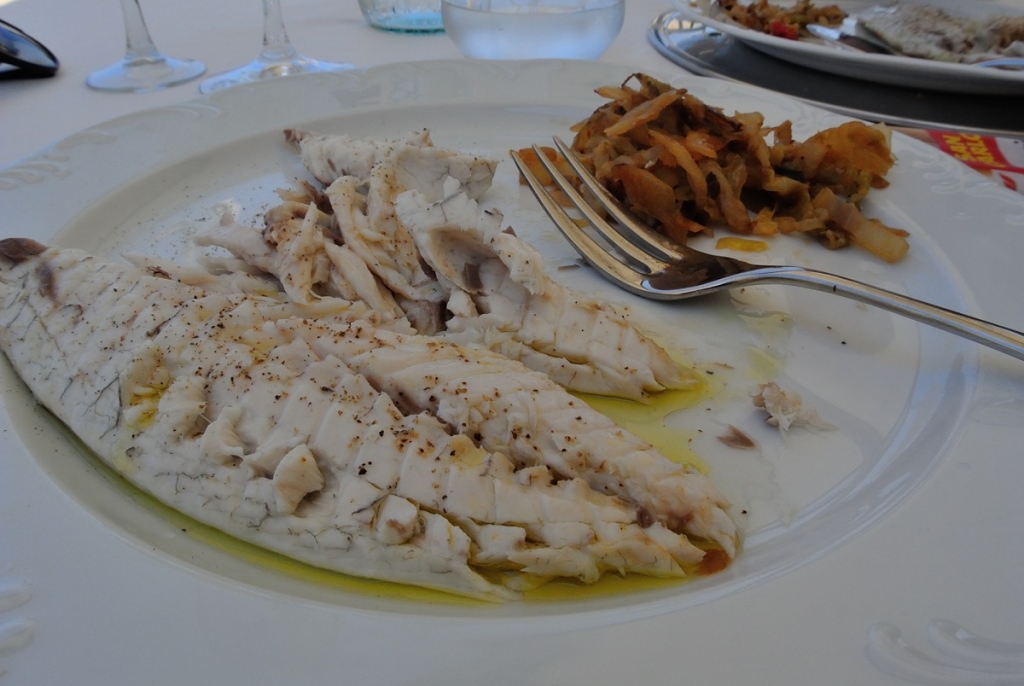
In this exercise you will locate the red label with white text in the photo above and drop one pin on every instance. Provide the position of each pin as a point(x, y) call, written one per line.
point(999, 156)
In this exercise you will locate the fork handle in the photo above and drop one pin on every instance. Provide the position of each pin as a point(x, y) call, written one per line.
point(992, 335)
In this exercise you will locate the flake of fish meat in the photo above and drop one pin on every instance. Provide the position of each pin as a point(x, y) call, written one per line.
point(295, 249)
point(274, 426)
point(786, 408)
point(369, 227)
point(368, 223)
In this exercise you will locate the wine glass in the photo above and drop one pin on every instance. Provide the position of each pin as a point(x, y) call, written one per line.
point(143, 68)
point(278, 57)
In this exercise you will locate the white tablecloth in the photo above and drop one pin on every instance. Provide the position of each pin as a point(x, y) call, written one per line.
point(89, 34)
point(978, 587)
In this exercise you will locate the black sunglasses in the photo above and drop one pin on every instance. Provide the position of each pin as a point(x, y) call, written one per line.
point(29, 58)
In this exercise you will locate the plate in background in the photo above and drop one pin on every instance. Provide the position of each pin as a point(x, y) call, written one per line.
point(709, 52)
point(898, 70)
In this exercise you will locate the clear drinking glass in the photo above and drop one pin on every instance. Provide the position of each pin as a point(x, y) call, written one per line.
point(143, 68)
point(530, 29)
point(278, 57)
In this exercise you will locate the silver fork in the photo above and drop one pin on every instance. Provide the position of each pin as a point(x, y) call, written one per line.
point(653, 266)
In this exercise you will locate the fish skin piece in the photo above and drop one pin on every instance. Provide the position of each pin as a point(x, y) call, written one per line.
point(236, 418)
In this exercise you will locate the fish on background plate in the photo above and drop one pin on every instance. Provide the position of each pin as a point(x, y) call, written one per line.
point(933, 33)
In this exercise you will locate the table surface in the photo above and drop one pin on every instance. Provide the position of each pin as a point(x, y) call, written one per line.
point(89, 34)
point(223, 35)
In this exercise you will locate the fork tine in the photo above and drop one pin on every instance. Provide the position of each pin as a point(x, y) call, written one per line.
point(626, 248)
point(595, 255)
point(642, 236)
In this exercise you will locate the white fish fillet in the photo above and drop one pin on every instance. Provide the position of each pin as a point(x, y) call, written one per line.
point(421, 233)
point(272, 425)
point(528, 417)
point(417, 163)
point(329, 157)
point(502, 298)
point(922, 30)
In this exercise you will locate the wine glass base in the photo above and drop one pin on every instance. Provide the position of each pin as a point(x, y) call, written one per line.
point(144, 74)
point(261, 70)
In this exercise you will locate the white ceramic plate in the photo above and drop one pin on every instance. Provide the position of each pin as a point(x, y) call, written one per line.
point(898, 70)
point(100, 585)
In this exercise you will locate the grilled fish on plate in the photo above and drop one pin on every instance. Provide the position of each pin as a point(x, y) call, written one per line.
point(411, 213)
point(336, 436)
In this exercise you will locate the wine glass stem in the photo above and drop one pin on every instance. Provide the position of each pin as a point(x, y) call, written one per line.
point(139, 43)
point(276, 46)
